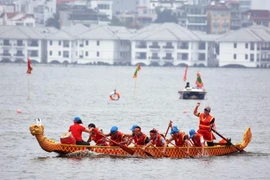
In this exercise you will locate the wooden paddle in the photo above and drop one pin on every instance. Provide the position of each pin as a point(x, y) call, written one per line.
point(195, 148)
point(181, 150)
point(168, 128)
point(125, 148)
point(163, 154)
point(147, 153)
point(240, 150)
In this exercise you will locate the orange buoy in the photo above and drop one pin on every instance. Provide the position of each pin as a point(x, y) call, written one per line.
point(222, 141)
point(114, 96)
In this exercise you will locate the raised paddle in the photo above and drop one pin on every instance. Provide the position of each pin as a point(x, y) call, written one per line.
point(170, 123)
point(125, 148)
point(181, 150)
point(240, 150)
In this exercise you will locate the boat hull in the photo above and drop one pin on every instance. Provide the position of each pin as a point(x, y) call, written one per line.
point(171, 151)
point(185, 94)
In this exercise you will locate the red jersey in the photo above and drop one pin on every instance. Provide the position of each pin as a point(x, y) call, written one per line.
point(76, 131)
point(98, 138)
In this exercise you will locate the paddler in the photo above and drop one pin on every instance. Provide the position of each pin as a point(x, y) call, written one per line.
point(76, 130)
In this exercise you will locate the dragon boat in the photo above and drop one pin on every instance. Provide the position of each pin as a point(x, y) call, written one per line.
point(50, 145)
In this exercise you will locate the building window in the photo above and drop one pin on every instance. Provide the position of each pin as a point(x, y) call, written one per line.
point(51, 43)
point(235, 45)
point(97, 43)
point(246, 45)
point(251, 57)
point(234, 56)
point(66, 54)
point(97, 54)
point(86, 53)
point(246, 56)
point(252, 46)
point(66, 43)
point(86, 42)
point(201, 56)
point(59, 53)
point(50, 53)
point(59, 43)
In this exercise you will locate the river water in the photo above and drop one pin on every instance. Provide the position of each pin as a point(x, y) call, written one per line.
point(239, 98)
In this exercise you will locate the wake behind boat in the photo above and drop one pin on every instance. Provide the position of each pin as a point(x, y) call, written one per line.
point(50, 145)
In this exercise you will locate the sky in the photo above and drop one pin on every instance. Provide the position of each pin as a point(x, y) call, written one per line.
point(124, 5)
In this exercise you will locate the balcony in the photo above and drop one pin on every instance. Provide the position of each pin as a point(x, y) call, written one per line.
point(33, 55)
point(182, 47)
point(168, 58)
point(19, 55)
point(168, 47)
point(7, 45)
point(6, 54)
point(142, 46)
point(33, 44)
point(155, 57)
point(154, 47)
point(141, 57)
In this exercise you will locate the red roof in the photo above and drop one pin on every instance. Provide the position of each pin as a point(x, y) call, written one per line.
point(258, 14)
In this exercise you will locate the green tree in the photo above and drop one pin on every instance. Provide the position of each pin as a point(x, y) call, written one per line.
point(166, 16)
point(54, 22)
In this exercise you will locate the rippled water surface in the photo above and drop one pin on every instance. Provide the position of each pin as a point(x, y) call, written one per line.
point(239, 98)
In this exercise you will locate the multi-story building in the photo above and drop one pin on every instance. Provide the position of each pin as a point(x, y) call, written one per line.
point(196, 17)
point(245, 5)
point(41, 9)
point(235, 14)
point(249, 47)
point(168, 44)
point(218, 15)
point(256, 17)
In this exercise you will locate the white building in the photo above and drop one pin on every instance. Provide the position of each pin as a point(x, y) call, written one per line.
point(249, 47)
point(168, 44)
point(17, 19)
point(42, 9)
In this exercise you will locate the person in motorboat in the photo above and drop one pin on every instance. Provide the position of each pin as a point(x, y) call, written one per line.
point(76, 130)
point(197, 140)
point(116, 136)
point(96, 135)
point(187, 86)
point(206, 124)
point(179, 137)
point(156, 140)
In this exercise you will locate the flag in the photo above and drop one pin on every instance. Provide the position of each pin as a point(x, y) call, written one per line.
point(185, 74)
point(29, 68)
point(136, 71)
point(199, 82)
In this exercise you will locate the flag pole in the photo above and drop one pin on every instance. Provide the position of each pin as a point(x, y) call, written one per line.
point(28, 87)
point(134, 88)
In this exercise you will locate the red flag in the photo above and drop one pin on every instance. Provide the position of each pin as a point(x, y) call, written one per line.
point(185, 74)
point(199, 82)
point(29, 69)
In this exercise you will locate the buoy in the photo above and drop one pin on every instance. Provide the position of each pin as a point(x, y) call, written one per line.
point(114, 96)
point(19, 111)
point(185, 111)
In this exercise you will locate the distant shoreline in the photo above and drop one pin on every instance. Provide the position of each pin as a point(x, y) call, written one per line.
point(85, 65)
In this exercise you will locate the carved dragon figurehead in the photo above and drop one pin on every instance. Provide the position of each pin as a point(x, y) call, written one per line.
point(37, 129)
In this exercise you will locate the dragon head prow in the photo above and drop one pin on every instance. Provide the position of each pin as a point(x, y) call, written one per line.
point(36, 129)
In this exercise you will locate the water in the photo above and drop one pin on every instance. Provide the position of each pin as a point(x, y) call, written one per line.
point(239, 98)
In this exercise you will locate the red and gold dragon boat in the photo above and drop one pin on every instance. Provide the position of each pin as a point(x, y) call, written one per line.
point(50, 145)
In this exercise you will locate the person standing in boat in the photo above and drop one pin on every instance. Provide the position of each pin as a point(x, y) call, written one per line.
point(156, 140)
point(187, 85)
point(206, 124)
point(96, 135)
point(197, 140)
point(116, 136)
point(180, 138)
point(76, 130)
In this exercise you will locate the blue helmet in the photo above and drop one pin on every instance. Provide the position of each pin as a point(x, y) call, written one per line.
point(192, 133)
point(114, 129)
point(174, 130)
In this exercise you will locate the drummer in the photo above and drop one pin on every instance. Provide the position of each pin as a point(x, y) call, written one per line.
point(76, 130)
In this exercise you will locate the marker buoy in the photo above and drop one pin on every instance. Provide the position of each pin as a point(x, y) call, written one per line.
point(185, 111)
point(114, 96)
point(19, 111)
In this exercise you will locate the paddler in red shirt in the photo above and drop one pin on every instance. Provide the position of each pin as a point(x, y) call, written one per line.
point(96, 135)
point(76, 130)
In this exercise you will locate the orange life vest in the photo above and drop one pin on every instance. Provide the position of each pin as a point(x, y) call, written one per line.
point(140, 140)
point(179, 139)
point(157, 141)
point(205, 127)
point(197, 140)
point(117, 138)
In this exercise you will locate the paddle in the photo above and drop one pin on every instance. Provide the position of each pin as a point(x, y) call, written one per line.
point(170, 123)
point(147, 153)
point(195, 148)
point(240, 150)
point(125, 148)
point(181, 150)
point(159, 151)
